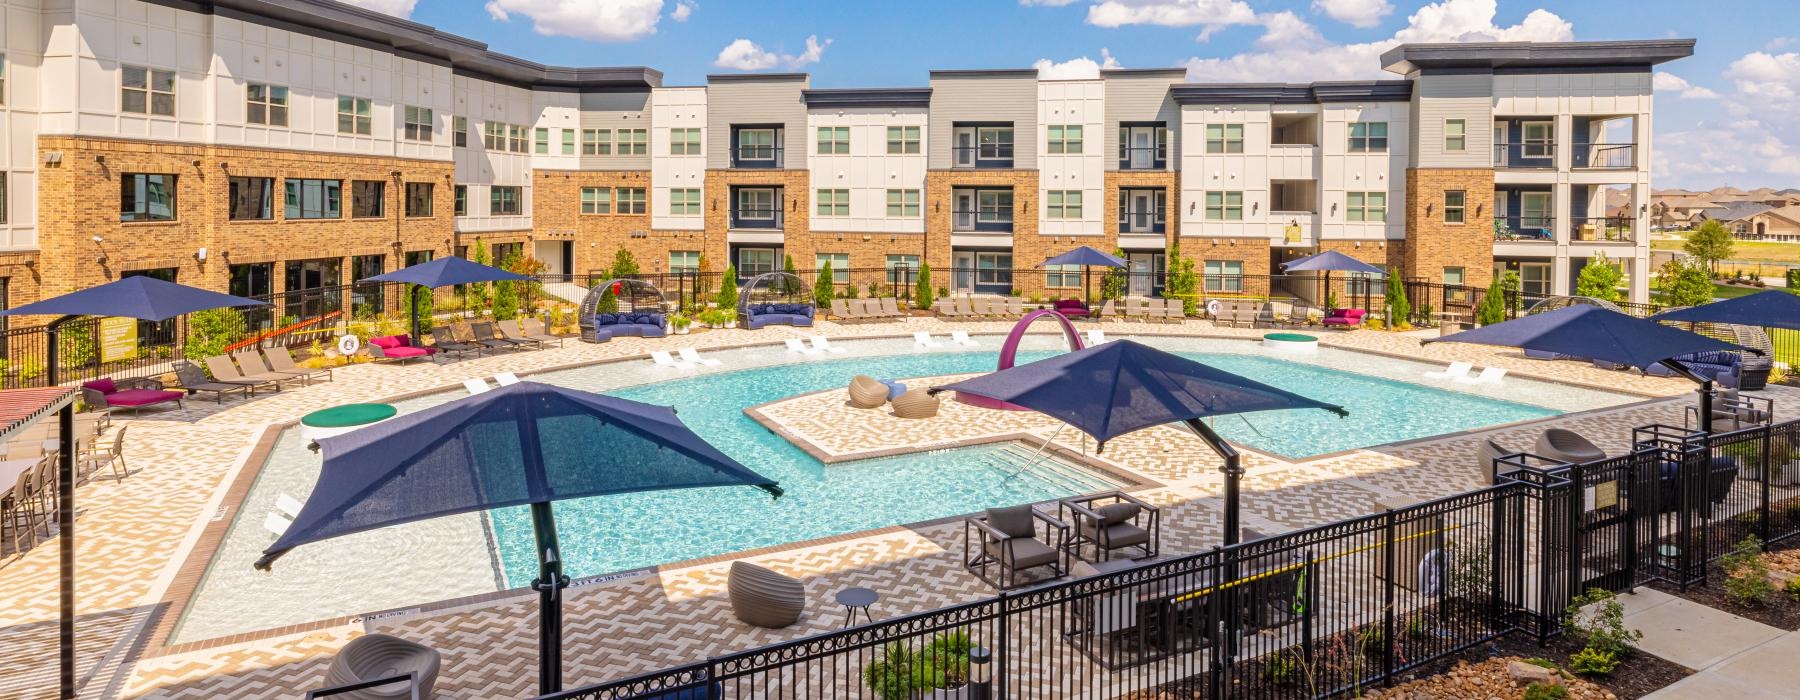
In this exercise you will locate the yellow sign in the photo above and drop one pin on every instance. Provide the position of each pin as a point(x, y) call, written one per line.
point(118, 338)
point(1293, 233)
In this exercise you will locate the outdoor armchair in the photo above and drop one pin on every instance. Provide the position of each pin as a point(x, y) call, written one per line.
point(764, 597)
point(194, 380)
point(1010, 539)
point(1567, 446)
point(1113, 520)
point(377, 656)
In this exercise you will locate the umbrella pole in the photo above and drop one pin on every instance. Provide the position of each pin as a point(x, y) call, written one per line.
point(1234, 473)
point(549, 584)
point(65, 519)
point(412, 303)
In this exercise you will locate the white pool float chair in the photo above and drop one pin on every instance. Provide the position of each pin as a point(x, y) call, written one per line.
point(1456, 370)
point(661, 358)
point(476, 385)
point(275, 524)
point(506, 379)
point(823, 344)
point(693, 356)
point(799, 346)
point(962, 338)
point(1489, 375)
point(1095, 336)
point(923, 339)
point(287, 505)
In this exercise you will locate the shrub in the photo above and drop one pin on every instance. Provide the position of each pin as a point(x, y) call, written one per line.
point(1746, 574)
point(1541, 661)
point(1599, 279)
point(1793, 278)
point(1792, 588)
point(874, 289)
point(1709, 243)
point(1601, 625)
point(1116, 280)
point(1593, 662)
point(728, 291)
point(1682, 284)
point(624, 264)
point(477, 293)
point(1279, 670)
point(900, 673)
point(790, 285)
point(823, 290)
point(922, 290)
point(79, 347)
point(1545, 691)
point(210, 331)
point(1182, 283)
point(1399, 309)
point(423, 307)
point(1372, 640)
point(506, 294)
point(1493, 305)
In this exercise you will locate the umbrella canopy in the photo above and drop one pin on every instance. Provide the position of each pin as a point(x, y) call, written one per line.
point(1330, 261)
point(139, 297)
point(1115, 388)
point(521, 444)
point(1087, 256)
point(1589, 331)
point(1773, 308)
point(447, 271)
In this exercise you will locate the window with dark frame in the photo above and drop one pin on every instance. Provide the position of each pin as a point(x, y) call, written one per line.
point(460, 205)
point(367, 198)
point(146, 197)
point(504, 201)
point(1454, 201)
point(354, 115)
point(147, 91)
point(312, 199)
point(459, 132)
point(631, 200)
point(1368, 137)
point(596, 200)
point(251, 199)
point(634, 142)
point(419, 198)
point(265, 104)
point(419, 123)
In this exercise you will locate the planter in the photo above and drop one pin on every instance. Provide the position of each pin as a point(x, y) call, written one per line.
point(947, 694)
point(731, 324)
point(681, 330)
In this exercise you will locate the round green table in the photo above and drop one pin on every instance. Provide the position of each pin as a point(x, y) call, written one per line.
point(338, 420)
point(1290, 341)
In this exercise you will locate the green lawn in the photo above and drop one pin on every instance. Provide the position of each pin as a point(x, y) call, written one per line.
point(1726, 291)
point(1767, 251)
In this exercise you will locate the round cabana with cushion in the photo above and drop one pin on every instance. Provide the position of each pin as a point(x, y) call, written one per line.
point(774, 298)
point(1554, 303)
point(623, 307)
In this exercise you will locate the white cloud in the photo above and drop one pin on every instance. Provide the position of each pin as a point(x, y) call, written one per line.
point(1779, 43)
point(745, 54)
point(1741, 152)
point(1356, 13)
point(1083, 68)
point(595, 20)
point(1211, 15)
point(683, 10)
point(398, 8)
point(1773, 79)
point(1669, 82)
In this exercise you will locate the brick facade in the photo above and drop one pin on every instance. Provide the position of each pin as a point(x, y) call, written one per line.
point(796, 212)
point(1116, 180)
point(1028, 248)
point(1433, 244)
point(557, 216)
point(1252, 252)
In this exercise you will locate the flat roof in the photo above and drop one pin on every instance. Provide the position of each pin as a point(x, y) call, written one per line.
point(1291, 93)
point(755, 77)
point(866, 97)
point(1406, 59)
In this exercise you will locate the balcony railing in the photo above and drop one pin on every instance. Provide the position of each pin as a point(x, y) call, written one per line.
point(985, 221)
point(994, 155)
point(1142, 221)
point(1619, 156)
point(756, 217)
point(756, 157)
point(1533, 155)
point(1602, 229)
point(1523, 229)
point(1143, 158)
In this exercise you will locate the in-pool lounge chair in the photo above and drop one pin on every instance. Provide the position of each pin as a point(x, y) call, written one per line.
point(797, 345)
point(193, 379)
point(133, 394)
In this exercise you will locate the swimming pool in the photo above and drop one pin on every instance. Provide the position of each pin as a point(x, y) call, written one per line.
point(469, 554)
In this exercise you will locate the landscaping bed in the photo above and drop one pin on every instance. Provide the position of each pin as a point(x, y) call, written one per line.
point(1776, 604)
point(1637, 675)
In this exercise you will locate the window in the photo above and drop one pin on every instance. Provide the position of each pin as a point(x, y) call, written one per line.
point(833, 202)
point(903, 139)
point(460, 132)
point(756, 144)
point(840, 266)
point(1365, 206)
point(994, 206)
point(631, 200)
point(1534, 278)
point(265, 104)
point(1453, 206)
point(596, 200)
point(254, 279)
point(1062, 275)
point(596, 142)
point(2, 101)
point(313, 199)
point(684, 202)
point(418, 198)
point(1224, 138)
point(994, 142)
point(541, 143)
point(1361, 284)
point(907, 263)
point(1224, 206)
point(366, 298)
point(684, 261)
point(903, 203)
point(516, 138)
point(147, 91)
point(145, 197)
point(1065, 138)
point(834, 140)
point(1224, 275)
point(634, 142)
point(1537, 137)
point(1453, 277)
point(1368, 137)
point(353, 115)
point(418, 124)
point(460, 197)
point(493, 136)
point(1534, 210)
point(252, 198)
point(755, 261)
point(1062, 204)
point(684, 142)
point(1455, 134)
point(568, 142)
point(366, 198)
point(757, 203)
point(993, 269)
point(504, 201)
point(3, 198)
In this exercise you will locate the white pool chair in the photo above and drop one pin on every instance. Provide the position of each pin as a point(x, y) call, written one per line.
point(923, 339)
point(287, 505)
point(1489, 375)
point(962, 338)
point(799, 346)
point(693, 356)
point(823, 344)
point(1456, 370)
point(476, 385)
point(1095, 336)
point(275, 524)
point(661, 358)
point(506, 379)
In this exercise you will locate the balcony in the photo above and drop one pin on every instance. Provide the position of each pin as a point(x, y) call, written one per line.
point(756, 157)
point(1533, 155)
point(1143, 158)
point(1602, 229)
point(1604, 156)
point(1136, 220)
point(1518, 228)
point(756, 218)
point(996, 156)
point(981, 220)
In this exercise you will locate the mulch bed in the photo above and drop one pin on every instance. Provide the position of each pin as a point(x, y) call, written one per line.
point(1637, 676)
point(1781, 611)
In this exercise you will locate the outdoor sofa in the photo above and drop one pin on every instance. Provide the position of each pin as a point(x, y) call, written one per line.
point(606, 326)
point(1349, 318)
point(777, 313)
point(1073, 308)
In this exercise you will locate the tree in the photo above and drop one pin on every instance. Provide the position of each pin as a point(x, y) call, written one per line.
point(1182, 283)
point(923, 292)
point(624, 265)
point(506, 294)
point(209, 332)
point(790, 285)
point(475, 295)
point(728, 291)
point(1709, 244)
point(1599, 279)
point(1113, 285)
point(822, 289)
point(1399, 309)
point(1493, 304)
point(423, 304)
point(1683, 284)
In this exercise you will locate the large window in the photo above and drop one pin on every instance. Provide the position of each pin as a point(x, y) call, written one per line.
point(1224, 138)
point(1062, 204)
point(418, 198)
point(756, 203)
point(1224, 206)
point(367, 198)
point(366, 299)
point(840, 266)
point(516, 141)
point(1454, 200)
point(493, 136)
point(632, 200)
point(596, 142)
point(459, 200)
point(993, 269)
point(756, 144)
point(903, 203)
point(833, 202)
point(1456, 133)
point(568, 142)
point(902, 269)
point(1224, 275)
point(755, 261)
point(684, 201)
point(540, 142)
point(994, 143)
point(1365, 206)
point(684, 261)
point(252, 198)
point(146, 197)
point(353, 115)
point(504, 201)
point(994, 206)
point(684, 142)
point(1062, 275)
point(460, 131)
point(1368, 137)
point(834, 140)
point(265, 104)
point(313, 199)
point(318, 277)
point(1537, 138)
point(634, 142)
point(903, 139)
point(252, 279)
point(147, 91)
point(418, 124)
point(1064, 138)
point(596, 200)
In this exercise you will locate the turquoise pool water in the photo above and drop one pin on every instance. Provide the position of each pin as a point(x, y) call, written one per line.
point(616, 533)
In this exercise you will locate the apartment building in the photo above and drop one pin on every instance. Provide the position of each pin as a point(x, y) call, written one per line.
point(258, 147)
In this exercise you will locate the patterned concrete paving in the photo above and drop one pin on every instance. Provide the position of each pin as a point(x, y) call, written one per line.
point(135, 533)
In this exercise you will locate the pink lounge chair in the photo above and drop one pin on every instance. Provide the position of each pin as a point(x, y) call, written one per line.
point(132, 394)
point(397, 347)
point(1344, 317)
point(1074, 308)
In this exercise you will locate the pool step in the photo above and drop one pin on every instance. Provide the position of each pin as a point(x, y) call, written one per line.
point(1011, 458)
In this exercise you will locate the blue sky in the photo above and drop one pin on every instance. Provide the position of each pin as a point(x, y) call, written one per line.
point(1729, 115)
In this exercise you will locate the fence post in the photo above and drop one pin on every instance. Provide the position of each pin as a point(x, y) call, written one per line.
point(1495, 590)
point(1762, 523)
point(1004, 650)
point(1309, 600)
point(1216, 674)
point(1576, 505)
point(1387, 600)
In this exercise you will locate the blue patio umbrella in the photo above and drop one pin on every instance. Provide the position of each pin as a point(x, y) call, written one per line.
point(443, 272)
point(1328, 262)
point(1584, 330)
point(524, 444)
point(1087, 257)
point(1123, 386)
point(141, 297)
point(1773, 308)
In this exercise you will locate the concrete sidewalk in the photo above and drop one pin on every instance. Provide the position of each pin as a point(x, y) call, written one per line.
point(1734, 658)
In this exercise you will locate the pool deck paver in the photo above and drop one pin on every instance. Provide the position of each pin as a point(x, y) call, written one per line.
point(136, 532)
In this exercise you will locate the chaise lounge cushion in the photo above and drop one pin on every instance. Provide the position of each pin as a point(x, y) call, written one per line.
point(104, 386)
point(141, 397)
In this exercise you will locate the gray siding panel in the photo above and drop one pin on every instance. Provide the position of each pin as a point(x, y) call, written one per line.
point(1141, 98)
point(774, 101)
point(983, 98)
point(1442, 97)
point(615, 111)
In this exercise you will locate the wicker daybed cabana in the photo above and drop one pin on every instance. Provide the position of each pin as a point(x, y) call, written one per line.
point(774, 298)
point(623, 307)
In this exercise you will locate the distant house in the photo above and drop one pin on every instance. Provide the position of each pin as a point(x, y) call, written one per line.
point(1682, 212)
point(1757, 221)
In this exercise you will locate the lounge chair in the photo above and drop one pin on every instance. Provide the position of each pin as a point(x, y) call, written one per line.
point(534, 330)
point(661, 358)
point(797, 345)
point(444, 341)
point(506, 379)
point(373, 657)
point(840, 310)
point(962, 338)
point(399, 348)
point(946, 309)
point(224, 370)
point(1015, 307)
point(915, 403)
point(1107, 310)
point(1134, 308)
point(194, 381)
point(1489, 375)
point(692, 355)
point(965, 309)
point(867, 392)
point(823, 344)
point(1095, 336)
point(134, 394)
point(1344, 318)
point(485, 337)
point(1174, 310)
point(1454, 371)
point(509, 330)
point(923, 339)
point(1008, 538)
point(1114, 520)
point(280, 360)
point(764, 597)
point(978, 308)
point(891, 308)
point(476, 385)
point(1567, 446)
point(253, 365)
